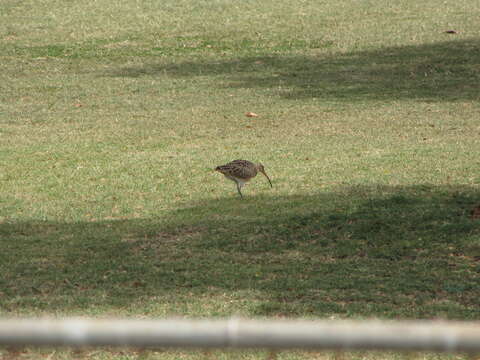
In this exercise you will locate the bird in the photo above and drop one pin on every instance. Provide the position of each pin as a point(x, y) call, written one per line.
point(241, 171)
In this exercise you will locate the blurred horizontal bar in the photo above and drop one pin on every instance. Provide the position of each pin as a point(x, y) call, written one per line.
point(438, 336)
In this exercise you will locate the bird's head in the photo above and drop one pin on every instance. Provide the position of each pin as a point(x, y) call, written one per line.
point(261, 169)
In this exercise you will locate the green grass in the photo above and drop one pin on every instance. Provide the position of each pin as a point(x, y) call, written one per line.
point(113, 116)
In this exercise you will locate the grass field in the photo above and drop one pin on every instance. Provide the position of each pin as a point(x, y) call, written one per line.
point(113, 116)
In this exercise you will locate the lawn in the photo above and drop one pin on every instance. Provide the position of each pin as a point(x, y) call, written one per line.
point(113, 116)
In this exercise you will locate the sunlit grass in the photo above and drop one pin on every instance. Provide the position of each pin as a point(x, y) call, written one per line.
point(114, 115)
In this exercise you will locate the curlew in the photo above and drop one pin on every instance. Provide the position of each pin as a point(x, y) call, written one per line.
point(241, 171)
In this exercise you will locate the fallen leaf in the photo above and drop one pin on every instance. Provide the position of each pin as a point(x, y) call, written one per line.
point(251, 114)
point(475, 213)
point(138, 284)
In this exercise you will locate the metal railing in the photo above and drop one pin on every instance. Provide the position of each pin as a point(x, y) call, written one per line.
point(239, 333)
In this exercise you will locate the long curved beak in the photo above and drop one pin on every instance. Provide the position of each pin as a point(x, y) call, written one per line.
point(264, 173)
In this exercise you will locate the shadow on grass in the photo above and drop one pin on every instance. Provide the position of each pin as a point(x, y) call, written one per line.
point(433, 72)
point(360, 251)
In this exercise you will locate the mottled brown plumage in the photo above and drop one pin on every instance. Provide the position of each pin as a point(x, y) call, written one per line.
point(241, 171)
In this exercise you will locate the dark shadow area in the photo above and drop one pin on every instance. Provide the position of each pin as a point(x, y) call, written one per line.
point(394, 252)
point(444, 71)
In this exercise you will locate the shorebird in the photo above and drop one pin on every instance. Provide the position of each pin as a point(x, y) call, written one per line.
point(241, 171)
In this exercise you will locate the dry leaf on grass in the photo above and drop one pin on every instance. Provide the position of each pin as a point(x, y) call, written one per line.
point(475, 213)
point(251, 114)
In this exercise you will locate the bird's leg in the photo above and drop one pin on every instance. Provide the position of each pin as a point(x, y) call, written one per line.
point(239, 188)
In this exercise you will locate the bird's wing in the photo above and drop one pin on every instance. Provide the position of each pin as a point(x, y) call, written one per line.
point(239, 168)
